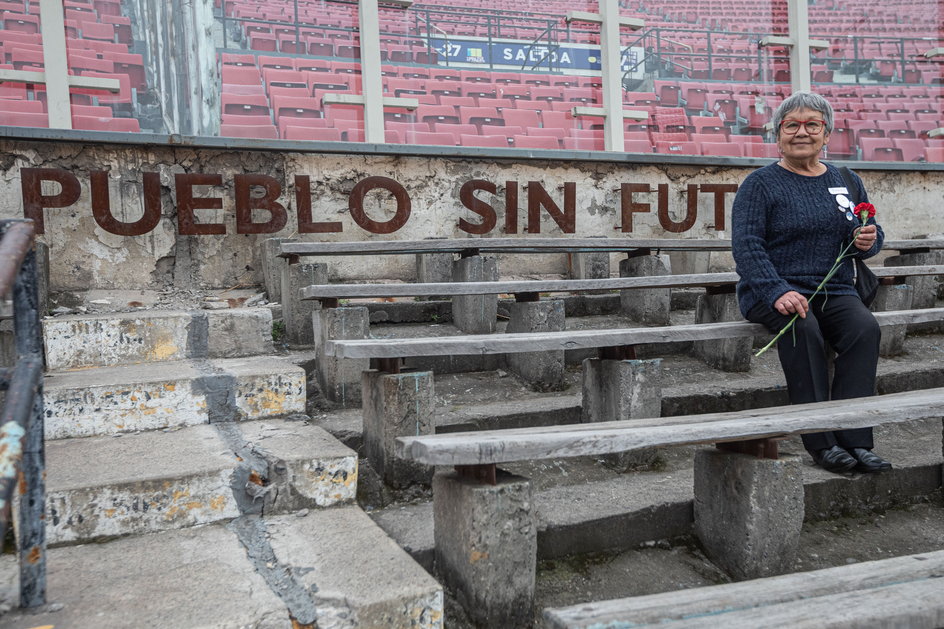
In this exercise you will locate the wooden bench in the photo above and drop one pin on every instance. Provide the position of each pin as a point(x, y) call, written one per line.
point(897, 592)
point(748, 509)
point(398, 403)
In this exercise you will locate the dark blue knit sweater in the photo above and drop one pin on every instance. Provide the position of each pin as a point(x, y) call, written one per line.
point(788, 230)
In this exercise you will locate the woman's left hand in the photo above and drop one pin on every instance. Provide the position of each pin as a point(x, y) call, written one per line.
point(865, 238)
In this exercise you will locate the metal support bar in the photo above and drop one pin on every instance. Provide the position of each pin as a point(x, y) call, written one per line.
point(487, 473)
point(619, 352)
point(760, 448)
point(386, 365)
point(526, 297)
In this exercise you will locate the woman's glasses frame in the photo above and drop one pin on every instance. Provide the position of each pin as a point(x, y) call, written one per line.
point(802, 123)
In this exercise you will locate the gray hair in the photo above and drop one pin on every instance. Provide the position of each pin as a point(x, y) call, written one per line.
point(803, 100)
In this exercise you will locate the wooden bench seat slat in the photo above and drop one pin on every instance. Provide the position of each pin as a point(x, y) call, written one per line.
point(449, 289)
point(718, 599)
point(541, 245)
point(501, 245)
point(591, 439)
point(475, 344)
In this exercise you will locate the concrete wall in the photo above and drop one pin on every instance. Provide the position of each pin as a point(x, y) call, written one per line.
point(83, 255)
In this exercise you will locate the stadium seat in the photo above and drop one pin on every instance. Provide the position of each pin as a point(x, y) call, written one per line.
point(934, 153)
point(496, 141)
point(637, 146)
point(435, 114)
point(879, 150)
point(729, 149)
point(245, 104)
point(912, 149)
point(325, 134)
point(536, 142)
point(93, 123)
point(583, 144)
point(25, 119)
point(676, 148)
point(437, 139)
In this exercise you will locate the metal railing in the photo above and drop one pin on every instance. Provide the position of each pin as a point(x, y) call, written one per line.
point(22, 453)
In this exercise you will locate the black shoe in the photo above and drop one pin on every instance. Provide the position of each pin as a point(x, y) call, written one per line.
point(835, 459)
point(869, 462)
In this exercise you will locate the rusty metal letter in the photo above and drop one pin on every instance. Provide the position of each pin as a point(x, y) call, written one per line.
point(538, 198)
point(303, 203)
point(376, 227)
point(511, 207)
point(246, 203)
point(628, 206)
point(101, 206)
point(483, 209)
point(187, 203)
point(690, 215)
point(719, 190)
point(31, 183)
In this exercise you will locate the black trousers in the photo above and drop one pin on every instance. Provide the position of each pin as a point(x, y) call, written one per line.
point(844, 324)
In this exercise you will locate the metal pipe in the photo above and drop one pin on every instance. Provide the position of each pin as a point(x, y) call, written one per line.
point(17, 240)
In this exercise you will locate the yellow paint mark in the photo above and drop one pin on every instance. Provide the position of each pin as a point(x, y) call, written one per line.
point(477, 556)
point(268, 400)
point(218, 503)
point(44, 627)
point(170, 386)
point(110, 513)
point(195, 504)
point(180, 493)
point(162, 351)
point(148, 411)
point(134, 398)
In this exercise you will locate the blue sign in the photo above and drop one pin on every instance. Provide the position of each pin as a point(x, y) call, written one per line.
point(531, 56)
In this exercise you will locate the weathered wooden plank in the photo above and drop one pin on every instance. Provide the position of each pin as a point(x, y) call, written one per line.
point(501, 245)
point(449, 289)
point(592, 439)
point(747, 595)
point(540, 245)
point(476, 344)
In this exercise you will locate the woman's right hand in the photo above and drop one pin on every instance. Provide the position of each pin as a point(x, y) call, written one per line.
point(792, 302)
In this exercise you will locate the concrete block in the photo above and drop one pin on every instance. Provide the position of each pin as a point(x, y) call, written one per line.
point(748, 512)
point(434, 267)
point(486, 546)
point(272, 266)
point(590, 265)
point(396, 405)
point(724, 354)
point(925, 287)
point(109, 400)
point(340, 378)
point(615, 390)
point(544, 371)
point(475, 314)
point(893, 297)
point(647, 305)
point(296, 313)
point(357, 575)
point(202, 575)
point(687, 262)
point(98, 340)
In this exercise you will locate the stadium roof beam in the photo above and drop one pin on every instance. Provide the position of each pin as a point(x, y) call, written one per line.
point(612, 111)
point(799, 43)
point(55, 74)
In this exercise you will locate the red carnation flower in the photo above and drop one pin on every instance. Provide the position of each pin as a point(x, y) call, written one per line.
point(864, 208)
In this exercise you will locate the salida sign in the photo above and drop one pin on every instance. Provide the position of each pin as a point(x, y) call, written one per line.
point(257, 195)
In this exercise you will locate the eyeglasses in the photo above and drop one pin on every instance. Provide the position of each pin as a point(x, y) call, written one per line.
point(792, 127)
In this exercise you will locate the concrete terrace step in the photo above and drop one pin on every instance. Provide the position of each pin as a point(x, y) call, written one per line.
point(101, 487)
point(108, 400)
point(331, 568)
point(583, 506)
point(99, 340)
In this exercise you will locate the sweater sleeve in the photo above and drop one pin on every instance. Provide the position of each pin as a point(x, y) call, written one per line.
point(749, 241)
point(879, 232)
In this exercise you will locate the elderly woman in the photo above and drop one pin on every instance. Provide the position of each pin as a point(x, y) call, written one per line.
point(790, 220)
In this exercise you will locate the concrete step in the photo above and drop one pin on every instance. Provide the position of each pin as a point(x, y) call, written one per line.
point(101, 487)
point(108, 400)
point(585, 506)
point(332, 568)
point(145, 336)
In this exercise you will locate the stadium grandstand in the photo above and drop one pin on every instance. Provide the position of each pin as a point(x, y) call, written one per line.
point(698, 77)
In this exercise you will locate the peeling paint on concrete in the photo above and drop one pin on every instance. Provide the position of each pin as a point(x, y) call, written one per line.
point(139, 507)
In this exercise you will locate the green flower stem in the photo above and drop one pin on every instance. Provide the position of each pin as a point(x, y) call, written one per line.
point(839, 260)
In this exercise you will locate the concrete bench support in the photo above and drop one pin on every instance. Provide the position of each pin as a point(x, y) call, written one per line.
point(475, 314)
point(648, 305)
point(272, 266)
point(725, 354)
point(542, 370)
point(340, 378)
point(396, 405)
point(925, 287)
point(615, 390)
point(486, 546)
point(893, 297)
point(748, 512)
point(296, 313)
point(589, 266)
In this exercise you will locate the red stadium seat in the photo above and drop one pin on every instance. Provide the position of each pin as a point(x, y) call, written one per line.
point(327, 134)
point(496, 141)
point(536, 142)
point(92, 123)
point(245, 104)
point(729, 149)
point(425, 137)
point(25, 119)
